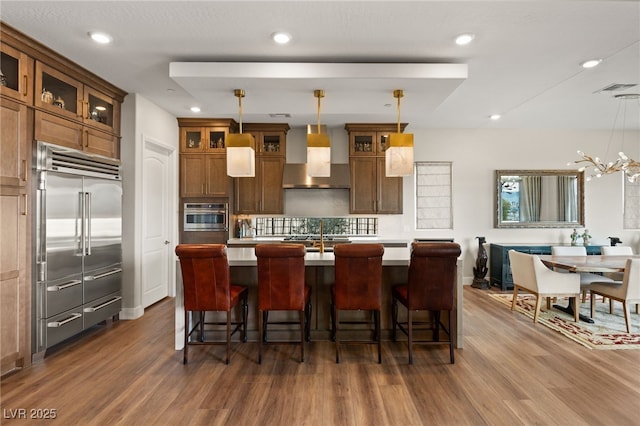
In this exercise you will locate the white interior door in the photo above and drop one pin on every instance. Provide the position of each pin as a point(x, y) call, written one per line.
point(156, 224)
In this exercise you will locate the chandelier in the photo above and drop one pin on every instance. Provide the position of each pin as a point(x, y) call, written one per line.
point(594, 167)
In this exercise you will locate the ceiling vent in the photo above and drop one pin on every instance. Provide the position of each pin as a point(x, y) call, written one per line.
point(616, 87)
point(280, 115)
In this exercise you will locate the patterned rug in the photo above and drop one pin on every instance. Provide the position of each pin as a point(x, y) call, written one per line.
point(608, 331)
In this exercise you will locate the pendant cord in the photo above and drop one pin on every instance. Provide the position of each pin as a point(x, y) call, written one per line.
point(240, 110)
point(398, 115)
point(318, 114)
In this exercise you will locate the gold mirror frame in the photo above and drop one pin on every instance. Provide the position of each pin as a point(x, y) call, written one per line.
point(569, 215)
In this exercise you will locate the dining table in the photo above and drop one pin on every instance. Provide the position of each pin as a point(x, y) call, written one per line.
point(589, 263)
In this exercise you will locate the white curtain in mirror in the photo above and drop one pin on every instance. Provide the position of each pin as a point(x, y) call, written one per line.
point(530, 198)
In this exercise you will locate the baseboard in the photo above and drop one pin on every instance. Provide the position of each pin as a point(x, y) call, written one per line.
point(131, 313)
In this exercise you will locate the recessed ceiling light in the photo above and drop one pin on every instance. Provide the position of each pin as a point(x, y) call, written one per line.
point(195, 109)
point(591, 63)
point(464, 39)
point(495, 117)
point(101, 38)
point(281, 38)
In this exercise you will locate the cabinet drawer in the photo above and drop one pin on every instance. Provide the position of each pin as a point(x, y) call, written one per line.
point(101, 309)
point(62, 295)
point(102, 283)
point(62, 326)
point(56, 130)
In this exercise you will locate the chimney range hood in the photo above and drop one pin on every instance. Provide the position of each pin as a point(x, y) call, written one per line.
point(295, 176)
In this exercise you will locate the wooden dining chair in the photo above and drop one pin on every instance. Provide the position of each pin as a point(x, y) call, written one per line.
point(205, 279)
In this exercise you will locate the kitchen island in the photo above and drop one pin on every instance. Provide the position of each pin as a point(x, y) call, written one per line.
point(319, 275)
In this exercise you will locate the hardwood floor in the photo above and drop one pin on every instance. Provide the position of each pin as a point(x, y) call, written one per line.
point(510, 372)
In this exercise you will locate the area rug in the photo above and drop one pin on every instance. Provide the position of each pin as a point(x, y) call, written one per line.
point(608, 331)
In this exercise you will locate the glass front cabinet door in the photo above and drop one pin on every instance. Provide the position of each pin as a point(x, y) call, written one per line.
point(16, 74)
point(58, 93)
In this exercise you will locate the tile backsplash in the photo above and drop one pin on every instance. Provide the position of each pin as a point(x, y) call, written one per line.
point(266, 226)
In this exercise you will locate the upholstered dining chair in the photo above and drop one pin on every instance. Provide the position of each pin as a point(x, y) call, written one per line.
point(627, 292)
point(430, 287)
point(616, 251)
point(530, 274)
point(586, 278)
point(357, 287)
point(205, 278)
point(281, 287)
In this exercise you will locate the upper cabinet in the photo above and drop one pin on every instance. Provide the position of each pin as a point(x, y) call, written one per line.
point(205, 135)
point(263, 194)
point(371, 191)
point(62, 95)
point(16, 78)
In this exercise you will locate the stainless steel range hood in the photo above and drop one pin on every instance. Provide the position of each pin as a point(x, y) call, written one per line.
point(295, 176)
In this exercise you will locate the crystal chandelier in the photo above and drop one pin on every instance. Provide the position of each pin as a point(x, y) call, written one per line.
point(594, 167)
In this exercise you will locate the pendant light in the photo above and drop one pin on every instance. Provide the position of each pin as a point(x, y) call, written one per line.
point(399, 153)
point(241, 148)
point(318, 147)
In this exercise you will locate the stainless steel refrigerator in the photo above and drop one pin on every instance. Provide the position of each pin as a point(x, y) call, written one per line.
point(78, 240)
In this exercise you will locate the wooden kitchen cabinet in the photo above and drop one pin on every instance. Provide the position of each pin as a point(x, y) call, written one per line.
point(205, 135)
point(73, 114)
point(15, 244)
point(263, 194)
point(15, 161)
point(371, 191)
point(17, 68)
point(204, 175)
point(53, 129)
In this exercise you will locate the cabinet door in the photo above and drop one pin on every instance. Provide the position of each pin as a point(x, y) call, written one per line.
point(363, 184)
point(101, 111)
point(246, 193)
point(57, 92)
point(271, 143)
point(15, 301)
point(192, 139)
point(17, 68)
point(56, 130)
point(192, 175)
point(272, 194)
point(215, 139)
point(389, 190)
point(101, 143)
point(14, 167)
point(217, 181)
point(362, 143)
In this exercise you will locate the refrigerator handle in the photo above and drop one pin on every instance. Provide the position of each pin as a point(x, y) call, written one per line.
point(88, 217)
point(82, 242)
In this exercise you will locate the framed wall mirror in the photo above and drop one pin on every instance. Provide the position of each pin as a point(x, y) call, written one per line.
point(539, 199)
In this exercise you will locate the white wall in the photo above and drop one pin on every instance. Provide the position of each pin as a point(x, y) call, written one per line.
point(140, 118)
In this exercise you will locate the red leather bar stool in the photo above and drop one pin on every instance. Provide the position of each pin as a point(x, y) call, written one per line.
point(430, 287)
point(281, 287)
point(205, 278)
point(358, 286)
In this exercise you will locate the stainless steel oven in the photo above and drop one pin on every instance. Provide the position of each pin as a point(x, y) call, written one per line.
point(206, 217)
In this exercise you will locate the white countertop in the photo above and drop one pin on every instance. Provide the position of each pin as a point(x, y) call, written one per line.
point(245, 256)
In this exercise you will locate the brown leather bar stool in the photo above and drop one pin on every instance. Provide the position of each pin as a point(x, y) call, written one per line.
point(358, 286)
point(205, 278)
point(430, 287)
point(281, 287)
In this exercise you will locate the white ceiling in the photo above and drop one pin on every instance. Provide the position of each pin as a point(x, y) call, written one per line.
point(523, 63)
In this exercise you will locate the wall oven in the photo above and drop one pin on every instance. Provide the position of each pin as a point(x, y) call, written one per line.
point(206, 217)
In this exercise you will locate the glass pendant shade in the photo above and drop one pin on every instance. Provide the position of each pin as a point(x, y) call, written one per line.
point(318, 155)
point(399, 155)
point(241, 155)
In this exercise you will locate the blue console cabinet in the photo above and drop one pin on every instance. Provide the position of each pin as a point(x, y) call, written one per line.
point(500, 268)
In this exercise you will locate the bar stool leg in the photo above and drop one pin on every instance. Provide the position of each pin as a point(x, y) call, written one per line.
point(377, 319)
point(260, 326)
point(228, 334)
point(336, 328)
point(394, 318)
point(302, 334)
point(410, 334)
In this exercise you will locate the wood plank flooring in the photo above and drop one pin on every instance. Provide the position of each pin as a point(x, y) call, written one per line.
point(510, 372)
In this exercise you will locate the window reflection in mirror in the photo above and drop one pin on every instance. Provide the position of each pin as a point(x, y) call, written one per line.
point(539, 199)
